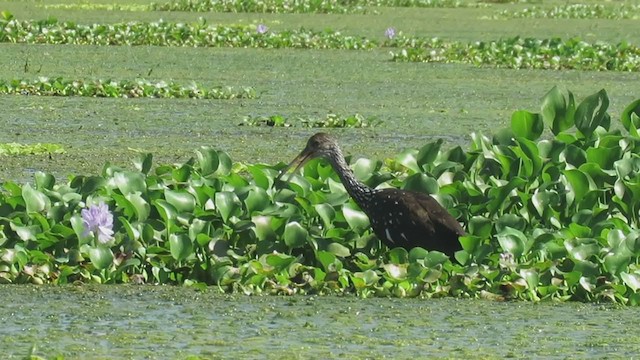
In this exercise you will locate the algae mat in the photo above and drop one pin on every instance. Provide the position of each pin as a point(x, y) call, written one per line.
point(156, 322)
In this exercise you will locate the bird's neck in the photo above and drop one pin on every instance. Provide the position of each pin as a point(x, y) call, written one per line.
point(358, 191)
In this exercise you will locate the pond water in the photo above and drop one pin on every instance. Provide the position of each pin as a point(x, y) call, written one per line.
point(163, 322)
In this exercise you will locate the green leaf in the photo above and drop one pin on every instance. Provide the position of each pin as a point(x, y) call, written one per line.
point(35, 201)
point(592, 112)
point(166, 210)
point(129, 182)
point(513, 241)
point(398, 256)
point(630, 118)
point(421, 182)
point(295, 235)
point(181, 200)
point(364, 168)
point(428, 154)
point(44, 181)
point(227, 204)
point(180, 246)
point(144, 162)
point(480, 226)
point(101, 257)
point(557, 112)
point(357, 220)
point(257, 200)
point(526, 124)
point(338, 249)
point(632, 280)
point(579, 183)
point(582, 248)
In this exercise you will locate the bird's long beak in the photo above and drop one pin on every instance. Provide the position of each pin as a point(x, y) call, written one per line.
point(300, 160)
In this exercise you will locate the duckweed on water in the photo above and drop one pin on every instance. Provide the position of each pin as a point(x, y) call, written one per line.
point(548, 217)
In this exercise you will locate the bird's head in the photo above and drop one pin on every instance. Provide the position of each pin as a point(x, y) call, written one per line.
point(319, 145)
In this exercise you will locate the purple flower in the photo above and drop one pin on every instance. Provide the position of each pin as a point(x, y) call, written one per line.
point(390, 33)
point(262, 28)
point(98, 220)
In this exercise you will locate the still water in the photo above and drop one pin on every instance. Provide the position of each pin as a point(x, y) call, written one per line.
point(162, 322)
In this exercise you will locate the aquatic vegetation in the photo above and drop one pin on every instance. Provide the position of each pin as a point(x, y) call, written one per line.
point(30, 149)
point(302, 6)
point(330, 121)
point(163, 33)
point(98, 221)
point(522, 53)
point(576, 11)
point(138, 88)
point(550, 205)
point(515, 52)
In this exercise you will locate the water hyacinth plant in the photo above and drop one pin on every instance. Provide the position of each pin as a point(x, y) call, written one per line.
point(98, 221)
point(549, 205)
point(515, 52)
point(139, 88)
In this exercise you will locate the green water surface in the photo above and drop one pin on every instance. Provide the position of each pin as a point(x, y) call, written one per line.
point(162, 322)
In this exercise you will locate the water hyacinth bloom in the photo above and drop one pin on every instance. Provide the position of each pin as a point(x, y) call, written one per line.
point(390, 33)
point(262, 28)
point(98, 220)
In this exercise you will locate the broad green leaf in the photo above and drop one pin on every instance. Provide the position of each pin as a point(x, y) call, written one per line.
point(326, 213)
point(630, 118)
point(615, 264)
point(227, 204)
point(213, 162)
point(398, 256)
point(435, 258)
point(632, 280)
point(582, 248)
point(181, 200)
point(144, 162)
point(428, 154)
point(531, 277)
point(357, 220)
point(328, 261)
point(544, 200)
point(166, 210)
point(421, 182)
point(417, 253)
point(592, 112)
point(257, 199)
point(338, 250)
point(180, 246)
point(395, 271)
point(295, 235)
point(44, 180)
point(579, 183)
point(526, 124)
point(280, 262)
point(130, 182)
point(101, 257)
point(364, 168)
point(260, 177)
point(557, 112)
point(480, 226)
point(141, 206)
point(35, 201)
point(26, 233)
point(513, 241)
point(408, 159)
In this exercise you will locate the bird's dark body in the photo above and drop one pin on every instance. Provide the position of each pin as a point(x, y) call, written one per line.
point(410, 219)
point(399, 218)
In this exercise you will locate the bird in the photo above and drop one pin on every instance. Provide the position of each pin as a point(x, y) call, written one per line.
point(399, 218)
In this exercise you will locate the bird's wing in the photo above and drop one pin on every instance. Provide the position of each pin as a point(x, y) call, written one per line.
point(428, 207)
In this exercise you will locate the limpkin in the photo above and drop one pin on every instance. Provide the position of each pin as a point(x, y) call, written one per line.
point(399, 218)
